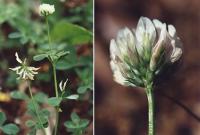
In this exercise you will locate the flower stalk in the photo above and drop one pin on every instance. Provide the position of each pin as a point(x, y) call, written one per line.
point(56, 92)
point(139, 55)
point(36, 110)
point(54, 75)
point(151, 119)
point(48, 32)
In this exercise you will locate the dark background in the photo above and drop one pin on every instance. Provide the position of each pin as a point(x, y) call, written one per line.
point(123, 111)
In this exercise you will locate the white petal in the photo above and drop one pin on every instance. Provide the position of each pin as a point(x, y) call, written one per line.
point(33, 68)
point(16, 68)
point(17, 58)
point(176, 54)
point(125, 41)
point(114, 51)
point(65, 83)
point(156, 52)
point(60, 86)
point(158, 24)
point(24, 75)
point(145, 26)
point(117, 75)
point(20, 72)
point(30, 76)
point(171, 30)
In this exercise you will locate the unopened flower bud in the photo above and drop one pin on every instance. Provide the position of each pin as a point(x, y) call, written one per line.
point(62, 85)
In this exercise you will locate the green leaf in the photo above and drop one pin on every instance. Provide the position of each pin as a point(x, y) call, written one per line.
point(30, 123)
point(2, 118)
point(70, 125)
point(43, 122)
point(74, 96)
point(33, 106)
point(65, 65)
point(62, 53)
point(82, 89)
point(71, 33)
point(40, 57)
point(44, 113)
point(10, 129)
point(54, 101)
point(83, 123)
point(19, 95)
point(41, 97)
point(75, 118)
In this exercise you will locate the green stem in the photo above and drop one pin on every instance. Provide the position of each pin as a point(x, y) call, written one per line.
point(48, 31)
point(151, 120)
point(56, 92)
point(33, 101)
point(54, 76)
point(55, 79)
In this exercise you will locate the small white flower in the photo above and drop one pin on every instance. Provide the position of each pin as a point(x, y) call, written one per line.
point(25, 72)
point(62, 85)
point(46, 9)
point(136, 56)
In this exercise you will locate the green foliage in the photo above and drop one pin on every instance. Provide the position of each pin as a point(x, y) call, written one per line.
point(33, 107)
point(19, 95)
point(26, 32)
point(9, 129)
point(54, 101)
point(40, 97)
point(2, 118)
point(76, 125)
point(86, 78)
point(70, 33)
point(82, 15)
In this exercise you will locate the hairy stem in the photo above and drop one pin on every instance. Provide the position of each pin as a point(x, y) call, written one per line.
point(36, 110)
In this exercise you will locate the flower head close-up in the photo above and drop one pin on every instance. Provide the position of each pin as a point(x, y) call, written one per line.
point(46, 9)
point(138, 55)
point(25, 72)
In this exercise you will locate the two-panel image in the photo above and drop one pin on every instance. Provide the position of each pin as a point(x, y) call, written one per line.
point(99, 67)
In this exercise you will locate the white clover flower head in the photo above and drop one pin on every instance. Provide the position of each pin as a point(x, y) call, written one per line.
point(46, 9)
point(25, 72)
point(138, 55)
point(62, 85)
